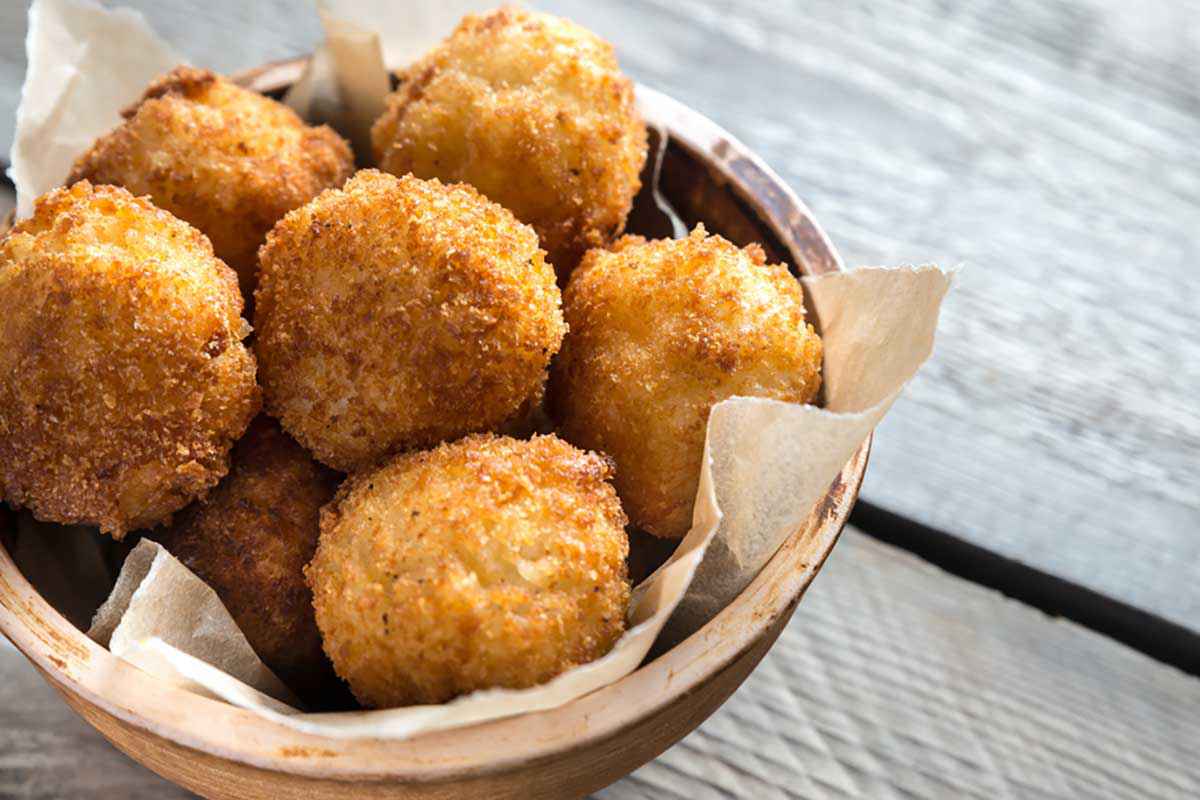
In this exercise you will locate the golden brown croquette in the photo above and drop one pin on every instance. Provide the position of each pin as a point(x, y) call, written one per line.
point(123, 377)
point(250, 540)
point(660, 331)
point(397, 313)
point(489, 562)
point(228, 160)
point(534, 112)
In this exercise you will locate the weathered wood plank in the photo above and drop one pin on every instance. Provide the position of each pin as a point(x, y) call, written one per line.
point(48, 753)
point(894, 680)
point(1048, 146)
point(1051, 148)
point(224, 35)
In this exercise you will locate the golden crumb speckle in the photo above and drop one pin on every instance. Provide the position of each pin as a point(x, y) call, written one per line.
point(397, 313)
point(660, 332)
point(489, 562)
point(250, 540)
point(228, 160)
point(534, 112)
point(123, 377)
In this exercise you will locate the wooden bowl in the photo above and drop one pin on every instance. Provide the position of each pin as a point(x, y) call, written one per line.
point(220, 751)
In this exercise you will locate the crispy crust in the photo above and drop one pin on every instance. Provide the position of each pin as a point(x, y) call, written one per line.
point(123, 377)
point(487, 562)
point(534, 112)
point(250, 540)
point(660, 332)
point(228, 160)
point(397, 313)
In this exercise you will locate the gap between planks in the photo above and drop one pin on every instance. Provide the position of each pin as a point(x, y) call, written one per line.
point(1154, 636)
point(894, 680)
point(1048, 145)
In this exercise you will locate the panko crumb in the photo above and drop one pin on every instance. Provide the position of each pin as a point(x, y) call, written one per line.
point(660, 332)
point(489, 562)
point(250, 540)
point(397, 313)
point(226, 159)
point(534, 112)
point(123, 378)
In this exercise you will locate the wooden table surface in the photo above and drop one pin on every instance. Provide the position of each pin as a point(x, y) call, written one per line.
point(1048, 147)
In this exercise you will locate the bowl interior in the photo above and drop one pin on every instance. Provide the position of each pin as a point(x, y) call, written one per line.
point(707, 176)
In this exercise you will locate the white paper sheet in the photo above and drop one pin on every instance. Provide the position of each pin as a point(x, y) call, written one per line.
point(86, 64)
point(769, 461)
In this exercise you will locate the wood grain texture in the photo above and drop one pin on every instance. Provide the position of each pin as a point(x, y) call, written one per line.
point(227, 753)
point(893, 680)
point(225, 35)
point(1050, 148)
point(47, 752)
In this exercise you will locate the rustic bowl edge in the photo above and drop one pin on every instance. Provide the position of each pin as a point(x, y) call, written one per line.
point(50, 648)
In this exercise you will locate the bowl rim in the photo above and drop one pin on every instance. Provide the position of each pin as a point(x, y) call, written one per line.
point(77, 665)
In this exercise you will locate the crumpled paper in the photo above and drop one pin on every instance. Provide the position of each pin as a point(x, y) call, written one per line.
point(405, 30)
point(158, 601)
point(767, 462)
point(86, 63)
point(345, 82)
point(772, 460)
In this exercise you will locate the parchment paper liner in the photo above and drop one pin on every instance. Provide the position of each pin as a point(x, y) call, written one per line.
point(766, 465)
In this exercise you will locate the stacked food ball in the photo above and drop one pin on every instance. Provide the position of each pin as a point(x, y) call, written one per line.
point(532, 111)
point(401, 326)
point(227, 160)
point(509, 569)
point(124, 379)
point(250, 540)
point(397, 313)
point(660, 333)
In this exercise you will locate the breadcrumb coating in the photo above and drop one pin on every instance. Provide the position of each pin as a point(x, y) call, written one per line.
point(123, 378)
point(534, 112)
point(250, 540)
point(397, 313)
point(661, 331)
point(489, 562)
point(228, 160)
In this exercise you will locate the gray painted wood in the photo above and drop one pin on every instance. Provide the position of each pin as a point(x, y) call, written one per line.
point(1049, 147)
point(893, 680)
point(225, 35)
point(48, 753)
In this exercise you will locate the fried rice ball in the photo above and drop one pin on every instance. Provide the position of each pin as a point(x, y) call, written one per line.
point(228, 160)
point(489, 562)
point(534, 112)
point(660, 331)
point(397, 313)
point(250, 540)
point(123, 378)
